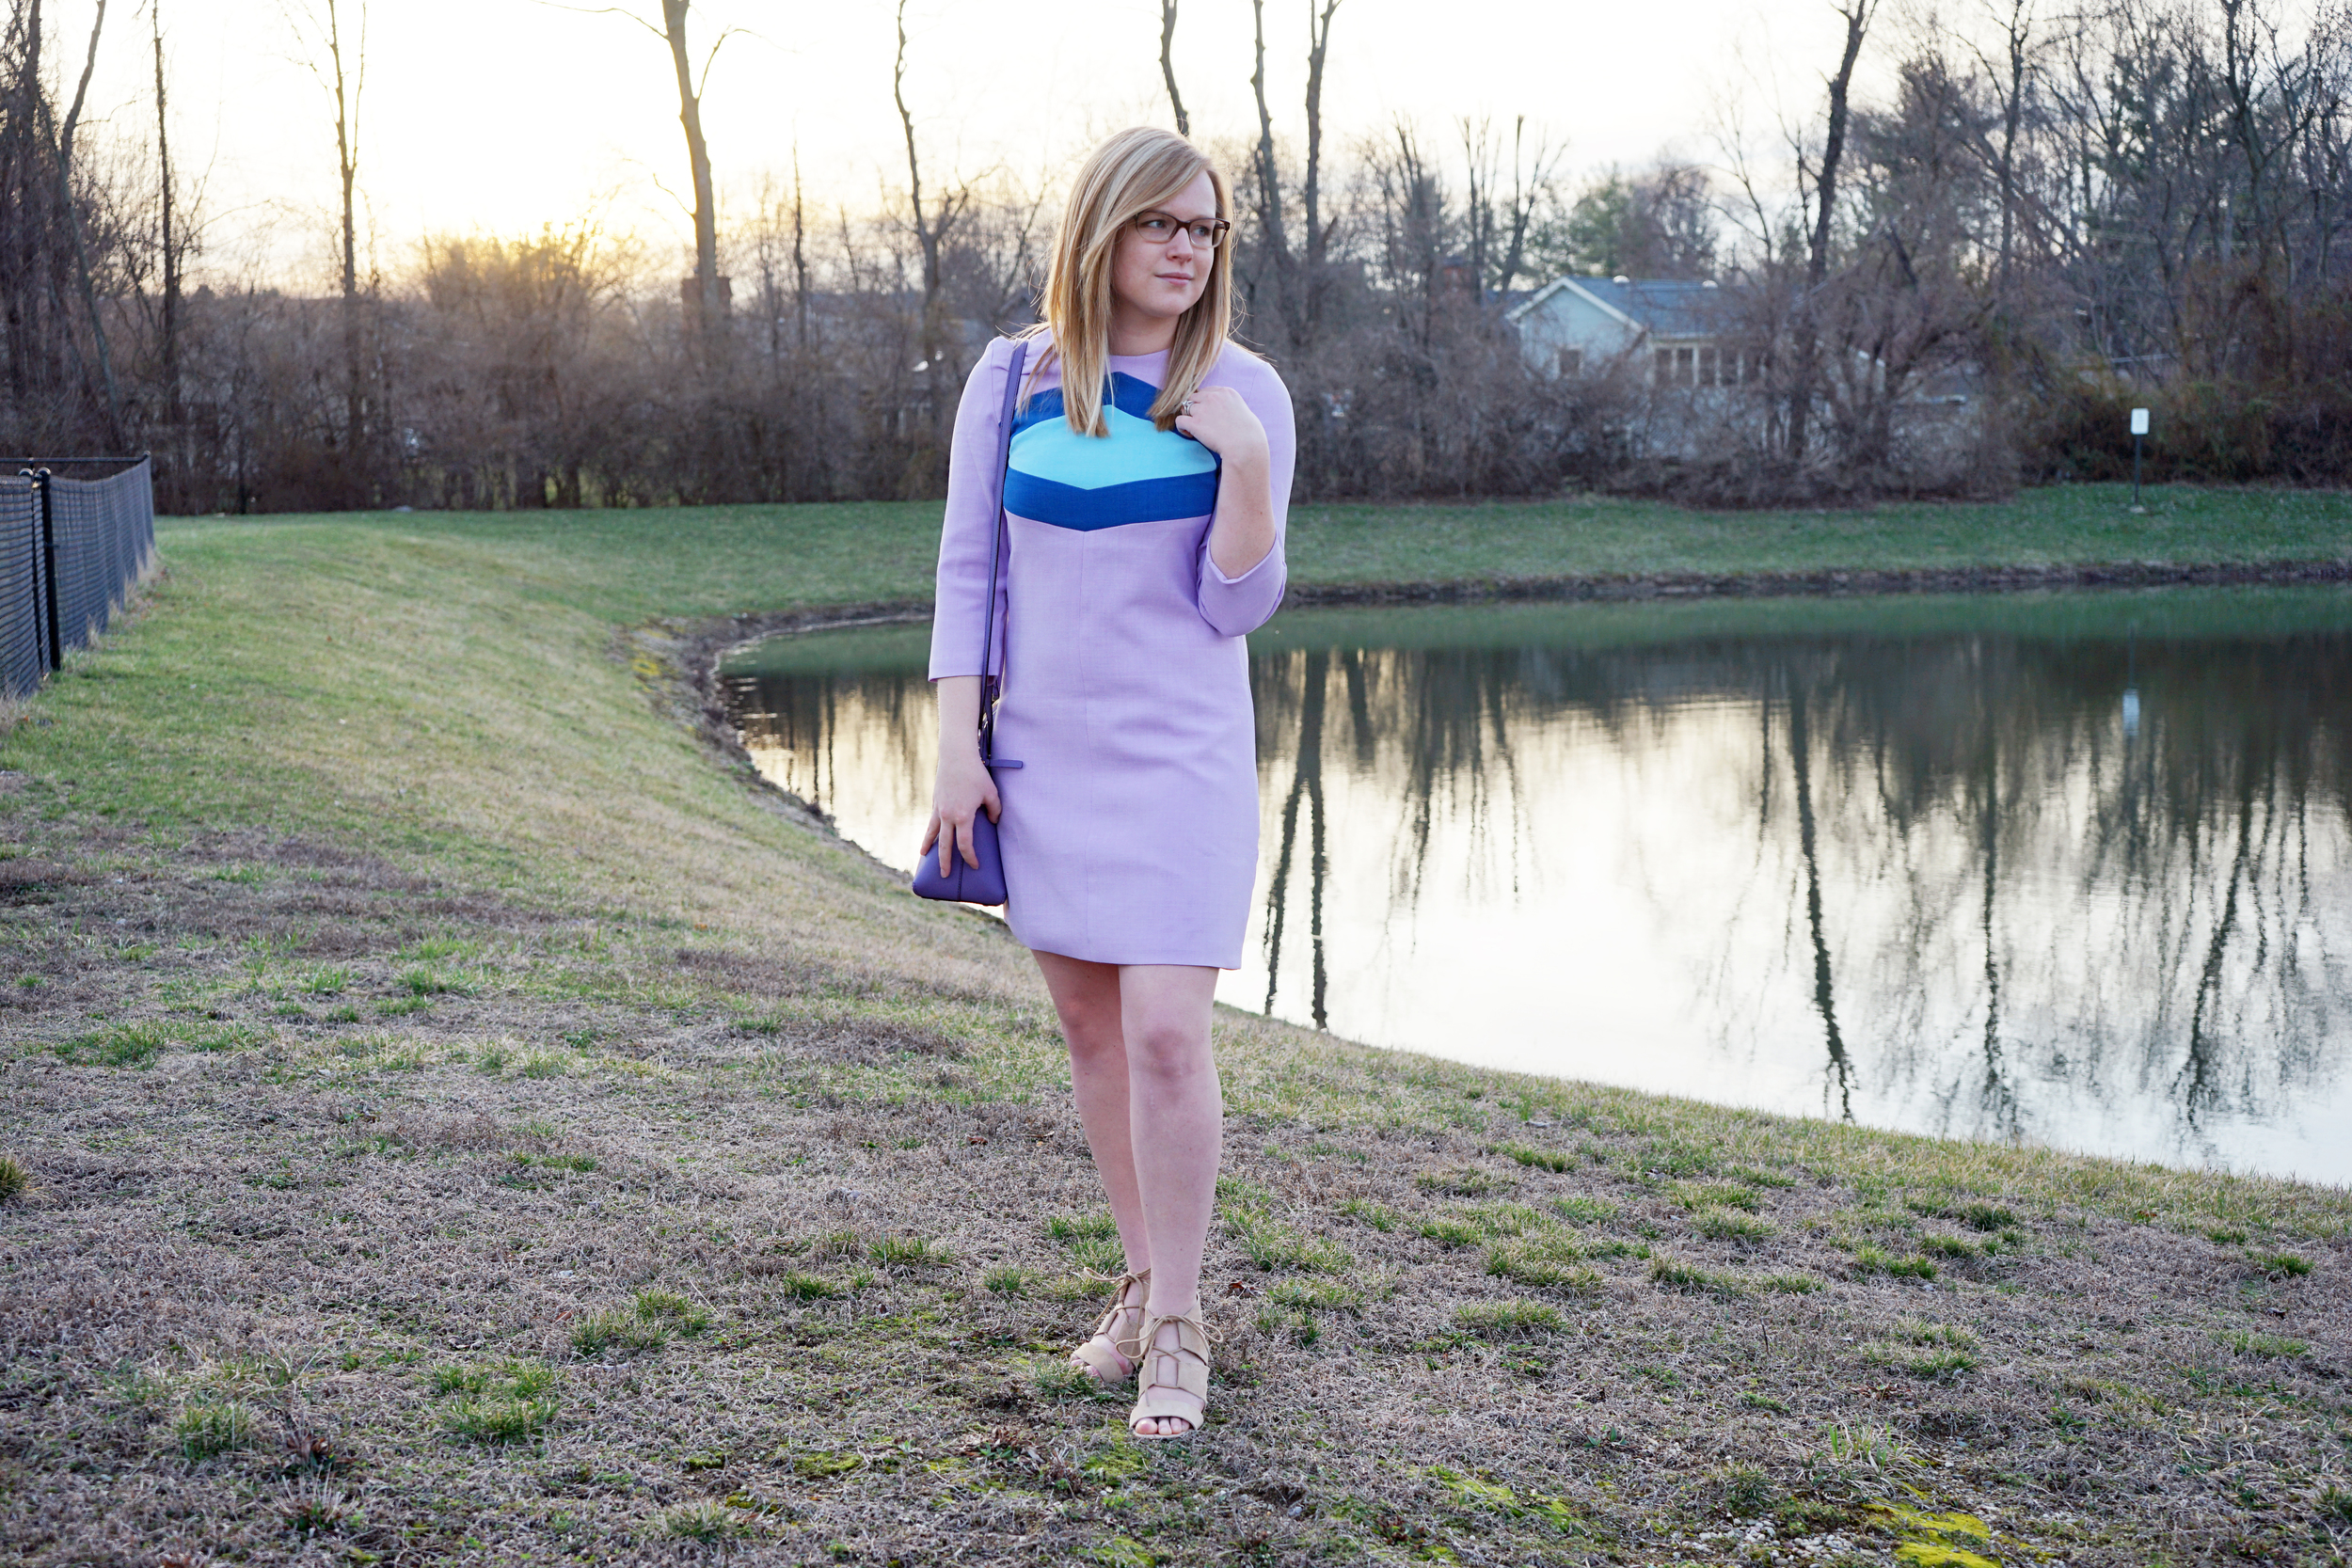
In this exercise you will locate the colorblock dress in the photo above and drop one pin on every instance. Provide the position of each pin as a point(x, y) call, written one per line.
point(1130, 832)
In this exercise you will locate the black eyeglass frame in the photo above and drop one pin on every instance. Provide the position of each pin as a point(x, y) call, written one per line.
point(1218, 229)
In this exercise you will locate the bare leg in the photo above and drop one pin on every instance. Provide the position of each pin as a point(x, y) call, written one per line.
point(1177, 1114)
point(1087, 997)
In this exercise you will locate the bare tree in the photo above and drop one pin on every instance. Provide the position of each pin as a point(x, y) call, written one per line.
point(932, 230)
point(1268, 177)
point(1168, 66)
point(1499, 234)
point(708, 296)
point(344, 78)
point(174, 253)
point(1318, 237)
point(1856, 15)
point(710, 302)
point(70, 212)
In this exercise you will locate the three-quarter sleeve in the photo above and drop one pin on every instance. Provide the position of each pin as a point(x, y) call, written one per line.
point(1240, 605)
point(967, 537)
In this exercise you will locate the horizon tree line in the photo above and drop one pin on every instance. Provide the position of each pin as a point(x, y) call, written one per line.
point(2142, 204)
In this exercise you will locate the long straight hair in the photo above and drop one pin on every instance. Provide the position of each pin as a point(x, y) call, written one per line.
point(1129, 175)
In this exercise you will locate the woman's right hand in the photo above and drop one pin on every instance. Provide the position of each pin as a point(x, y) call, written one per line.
point(964, 790)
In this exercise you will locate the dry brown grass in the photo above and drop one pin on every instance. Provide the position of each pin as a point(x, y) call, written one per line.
point(279, 1281)
point(387, 1200)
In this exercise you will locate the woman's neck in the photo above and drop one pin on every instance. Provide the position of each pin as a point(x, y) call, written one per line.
point(1133, 333)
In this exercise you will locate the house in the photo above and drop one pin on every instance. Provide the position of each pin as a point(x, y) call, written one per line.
point(1587, 325)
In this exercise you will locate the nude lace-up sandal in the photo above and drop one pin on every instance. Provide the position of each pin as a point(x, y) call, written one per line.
point(1108, 1357)
point(1174, 1381)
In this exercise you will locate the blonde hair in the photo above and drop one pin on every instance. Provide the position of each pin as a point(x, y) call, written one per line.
point(1129, 175)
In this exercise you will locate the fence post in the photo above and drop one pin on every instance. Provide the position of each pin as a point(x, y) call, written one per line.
point(49, 565)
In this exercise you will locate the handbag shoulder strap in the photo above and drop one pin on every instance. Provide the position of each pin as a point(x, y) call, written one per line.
point(989, 682)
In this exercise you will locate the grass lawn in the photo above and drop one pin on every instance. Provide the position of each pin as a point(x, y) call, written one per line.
point(447, 1112)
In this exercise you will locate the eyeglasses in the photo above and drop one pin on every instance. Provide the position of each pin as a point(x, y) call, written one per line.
point(1205, 233)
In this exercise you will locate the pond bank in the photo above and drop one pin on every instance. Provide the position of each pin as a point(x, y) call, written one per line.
point(458, 1120)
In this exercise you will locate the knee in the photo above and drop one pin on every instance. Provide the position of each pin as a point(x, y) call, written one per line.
point(1091, 1038)
point(1168, 1051)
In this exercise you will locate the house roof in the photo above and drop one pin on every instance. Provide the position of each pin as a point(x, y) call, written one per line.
point(1664, 307)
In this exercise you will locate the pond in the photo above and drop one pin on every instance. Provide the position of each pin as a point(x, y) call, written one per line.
point(2066, 870)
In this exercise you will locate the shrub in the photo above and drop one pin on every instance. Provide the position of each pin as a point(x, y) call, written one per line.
point(14, 1179)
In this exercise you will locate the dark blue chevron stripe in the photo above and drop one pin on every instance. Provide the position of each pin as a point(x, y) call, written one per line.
point(1128, 395)
point(1146, 500)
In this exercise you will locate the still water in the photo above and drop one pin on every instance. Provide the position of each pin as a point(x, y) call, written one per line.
point(2070, 870)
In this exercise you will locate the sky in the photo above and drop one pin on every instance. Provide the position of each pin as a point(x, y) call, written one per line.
point(504, 115)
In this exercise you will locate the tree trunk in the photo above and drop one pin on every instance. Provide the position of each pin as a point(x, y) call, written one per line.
point(1318, 47)
point(345, 82)
point(73, 218)
point(800, 256)
point(925, 239)
point(169, 325)
point(1168, 66)
point(1269, 178)
point(1808, 334)
point(711, 306)
point(2011, 113)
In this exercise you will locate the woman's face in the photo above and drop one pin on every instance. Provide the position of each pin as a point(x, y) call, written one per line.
point(1164, 278)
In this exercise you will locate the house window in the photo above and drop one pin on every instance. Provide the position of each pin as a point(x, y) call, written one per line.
point(1710, 367)
point(1677, 366)
point(1571, 361)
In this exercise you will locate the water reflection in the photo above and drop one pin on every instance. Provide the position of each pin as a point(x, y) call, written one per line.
point(2069, 871)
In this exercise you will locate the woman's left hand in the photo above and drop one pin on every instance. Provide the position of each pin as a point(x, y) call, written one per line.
point(1219, 418)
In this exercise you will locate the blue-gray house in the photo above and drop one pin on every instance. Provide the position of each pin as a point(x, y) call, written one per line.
point(1665, 328)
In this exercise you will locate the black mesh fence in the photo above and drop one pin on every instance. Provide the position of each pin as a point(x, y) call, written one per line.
point(70, 549)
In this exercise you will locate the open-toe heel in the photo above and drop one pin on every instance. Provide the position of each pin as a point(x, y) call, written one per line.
point(1109, 1356)
point(1174, 1378)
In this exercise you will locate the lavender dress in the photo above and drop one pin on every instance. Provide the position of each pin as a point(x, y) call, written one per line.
point(1130, 832)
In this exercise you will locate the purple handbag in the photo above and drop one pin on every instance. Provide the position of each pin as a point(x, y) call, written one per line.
point(985, 882)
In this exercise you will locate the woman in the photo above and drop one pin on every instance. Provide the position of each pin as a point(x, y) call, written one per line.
point(1149, 475)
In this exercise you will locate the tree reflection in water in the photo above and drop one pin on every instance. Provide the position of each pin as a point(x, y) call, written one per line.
point(1916, 872)
point(1978, 876)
